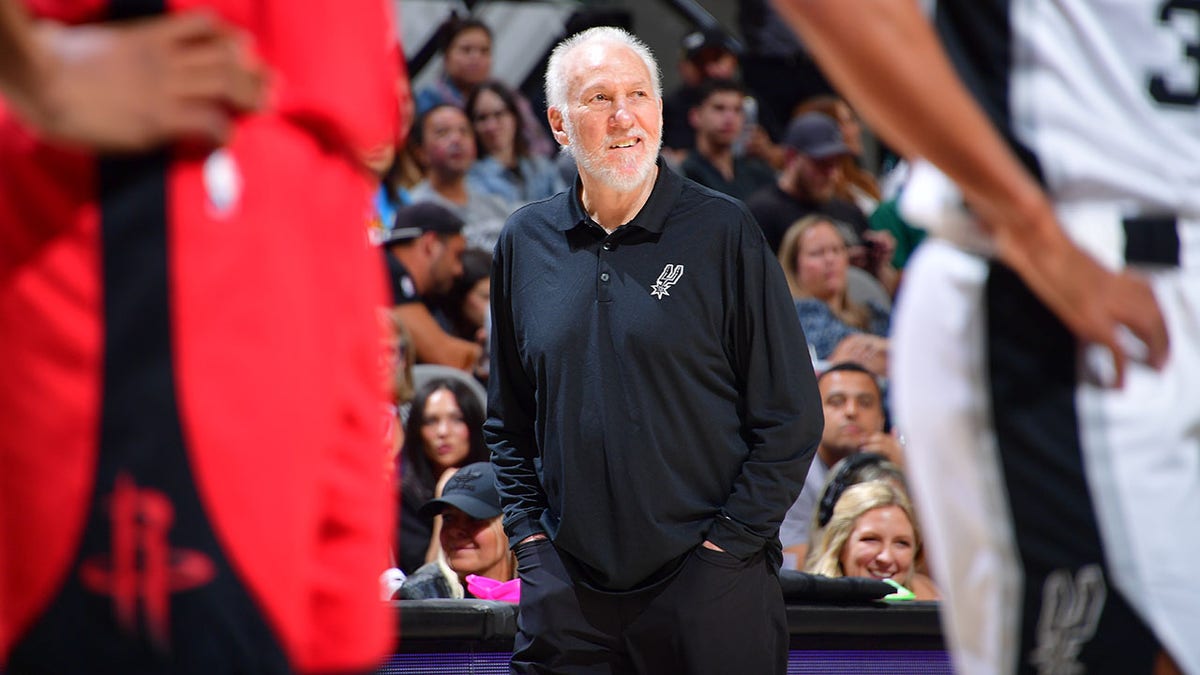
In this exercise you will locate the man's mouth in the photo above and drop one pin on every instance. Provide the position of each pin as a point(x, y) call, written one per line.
point(628, 143)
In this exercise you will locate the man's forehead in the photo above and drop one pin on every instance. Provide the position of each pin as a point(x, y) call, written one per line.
point(606, 63)
point(447, 116)
point(847, 382)
point(724, 98)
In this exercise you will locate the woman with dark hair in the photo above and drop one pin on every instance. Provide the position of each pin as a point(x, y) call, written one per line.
point(466, 45)
point(505, 166)
point(444, 430)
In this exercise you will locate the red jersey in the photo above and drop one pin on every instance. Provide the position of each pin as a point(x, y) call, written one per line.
point(189, 451)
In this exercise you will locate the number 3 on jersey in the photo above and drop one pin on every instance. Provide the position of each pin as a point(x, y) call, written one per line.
point(1162, 90)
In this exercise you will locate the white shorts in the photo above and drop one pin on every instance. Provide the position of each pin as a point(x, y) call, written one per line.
point(1088, 525)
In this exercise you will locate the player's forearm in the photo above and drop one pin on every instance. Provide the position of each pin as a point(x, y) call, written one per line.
point(886, 59)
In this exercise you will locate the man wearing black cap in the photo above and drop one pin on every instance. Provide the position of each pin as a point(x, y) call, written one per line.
point(469, 504)
point(708, 54)
point(814, 150)
point(423, 251)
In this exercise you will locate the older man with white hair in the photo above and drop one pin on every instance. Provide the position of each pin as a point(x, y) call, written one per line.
point(652, 410)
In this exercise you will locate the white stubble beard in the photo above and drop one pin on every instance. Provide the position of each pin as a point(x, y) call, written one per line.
point(590, 163)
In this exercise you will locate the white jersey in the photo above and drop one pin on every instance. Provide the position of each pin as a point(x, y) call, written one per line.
point(1105, 94)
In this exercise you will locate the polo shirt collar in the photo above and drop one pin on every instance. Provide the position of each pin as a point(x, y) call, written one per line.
point(651, 217)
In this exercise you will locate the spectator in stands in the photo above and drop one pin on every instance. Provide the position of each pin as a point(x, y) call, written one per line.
point(856, 468)
point(394, 163)
point(776, 65)
point(708, 54)
point(855, 184)
point(852, 401)
point(397, 366)
point(424, 255)
point(463, 311)
point(814, 152)
point(445, 144)
point(466, 47)
point(444, 431)
point(718, 119)
point(472, 539)
point(505, 166)
point(816, 262)
point(467, 64)
point(873, 533)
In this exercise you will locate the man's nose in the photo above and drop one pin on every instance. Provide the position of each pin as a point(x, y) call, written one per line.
point(622, 116)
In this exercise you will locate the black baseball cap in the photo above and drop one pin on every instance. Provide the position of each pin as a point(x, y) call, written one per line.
point(472, 490)
point(709, 40)
point(816, 135)
point(416, 219)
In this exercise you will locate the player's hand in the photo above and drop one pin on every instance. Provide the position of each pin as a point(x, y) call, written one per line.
point(135, 85)
point(1092, 301)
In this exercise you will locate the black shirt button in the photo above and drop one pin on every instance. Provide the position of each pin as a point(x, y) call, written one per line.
point(604, 276)
point(608, 246)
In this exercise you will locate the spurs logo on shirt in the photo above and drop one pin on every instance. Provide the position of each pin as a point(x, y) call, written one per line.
point(669, 277)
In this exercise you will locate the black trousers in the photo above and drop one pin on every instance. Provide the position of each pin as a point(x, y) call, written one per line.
point(713, 615)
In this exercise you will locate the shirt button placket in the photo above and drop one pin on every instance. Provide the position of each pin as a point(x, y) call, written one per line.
point(604, 286)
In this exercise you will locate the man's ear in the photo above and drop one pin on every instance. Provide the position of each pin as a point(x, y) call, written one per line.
point(429, 243)
point(556, 126)
point(693, 115)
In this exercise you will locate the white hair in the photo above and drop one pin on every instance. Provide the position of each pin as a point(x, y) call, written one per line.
point(556, 75)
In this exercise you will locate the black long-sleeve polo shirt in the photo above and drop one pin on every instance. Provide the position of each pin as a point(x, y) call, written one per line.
point(650, 387)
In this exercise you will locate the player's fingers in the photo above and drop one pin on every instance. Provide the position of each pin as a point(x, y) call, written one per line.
point(185, 27)
point(1159, 342)
point(202, 121)
point(245, 74)
point(217, 80)
point(218, 64)
point(1138, 311)
point(1151, 329)
point(1119, 357)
